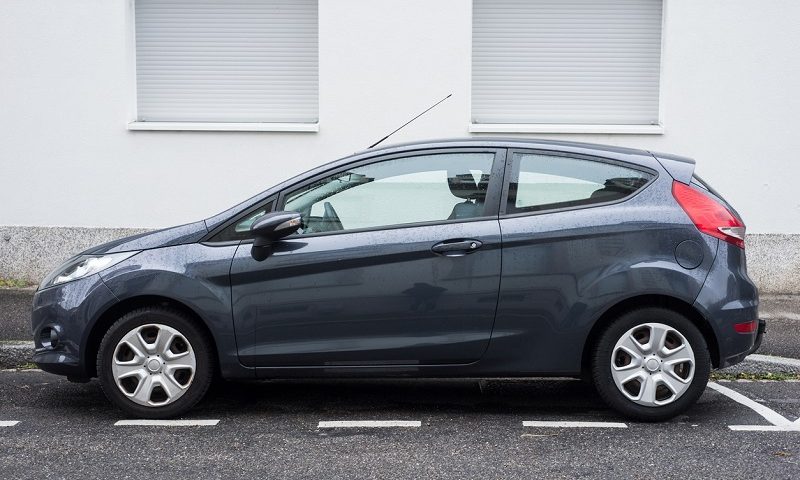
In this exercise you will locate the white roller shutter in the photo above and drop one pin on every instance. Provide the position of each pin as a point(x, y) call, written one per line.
point(591, 62)
point(227, 61)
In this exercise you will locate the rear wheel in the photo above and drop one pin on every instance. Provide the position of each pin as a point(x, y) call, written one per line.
point(651, 364)
point(155, 363)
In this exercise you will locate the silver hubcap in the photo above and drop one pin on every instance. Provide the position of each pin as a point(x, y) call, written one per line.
point(153, 365)
point(652, 364)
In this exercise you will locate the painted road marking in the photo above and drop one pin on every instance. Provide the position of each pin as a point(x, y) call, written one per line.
point(167, 423)
point(770, 415)
point(787, 315)
point(773, 359)
point(765, 428)
point(8, 423)
point(369, 423)
point(574, 424)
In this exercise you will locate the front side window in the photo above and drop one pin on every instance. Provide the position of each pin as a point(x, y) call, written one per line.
point(425, 188)
point(545, 182)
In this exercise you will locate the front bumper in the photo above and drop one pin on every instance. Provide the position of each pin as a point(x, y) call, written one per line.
point(70, 310)
point(59, 363)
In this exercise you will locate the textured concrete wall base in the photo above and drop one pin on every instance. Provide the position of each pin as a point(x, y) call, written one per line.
point(15, 313)
point(773, 262)
point(16, 354)
point(29, 253)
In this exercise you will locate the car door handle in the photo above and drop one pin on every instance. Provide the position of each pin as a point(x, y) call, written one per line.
point(456, 248)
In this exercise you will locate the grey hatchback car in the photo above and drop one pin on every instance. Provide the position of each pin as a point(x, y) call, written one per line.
point(461, 258)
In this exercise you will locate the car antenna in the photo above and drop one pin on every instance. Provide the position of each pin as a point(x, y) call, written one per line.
point(403, 125)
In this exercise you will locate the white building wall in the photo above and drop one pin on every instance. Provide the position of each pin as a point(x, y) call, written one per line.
point(729, 94)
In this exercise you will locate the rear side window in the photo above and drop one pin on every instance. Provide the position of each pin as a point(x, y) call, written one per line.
point(545, 182)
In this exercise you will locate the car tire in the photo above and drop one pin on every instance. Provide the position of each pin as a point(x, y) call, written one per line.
point(643, 377)
point(155, 363)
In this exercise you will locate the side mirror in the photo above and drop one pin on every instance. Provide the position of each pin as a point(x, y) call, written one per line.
point(270, 228)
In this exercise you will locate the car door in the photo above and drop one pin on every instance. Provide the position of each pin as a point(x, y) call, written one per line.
point(397, 263)
point(571, 232)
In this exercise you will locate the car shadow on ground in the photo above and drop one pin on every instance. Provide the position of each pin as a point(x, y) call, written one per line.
point(312, 400)
point(429, 396)
point(338, 396)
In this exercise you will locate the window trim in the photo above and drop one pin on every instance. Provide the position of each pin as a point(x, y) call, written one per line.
point(512, 170)
point(656, 129)
point(134, 124)
point(493, 191)
point(224, 126)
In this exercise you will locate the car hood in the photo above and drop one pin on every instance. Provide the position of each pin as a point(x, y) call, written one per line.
point(180, 235)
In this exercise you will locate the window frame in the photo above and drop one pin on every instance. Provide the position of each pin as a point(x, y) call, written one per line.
point(512, 174)
point(134, 124)
point(575, 128)
point(213, 237)
point(493, 191)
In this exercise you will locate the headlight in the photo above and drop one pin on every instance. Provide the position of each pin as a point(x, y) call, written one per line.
point(83, 266)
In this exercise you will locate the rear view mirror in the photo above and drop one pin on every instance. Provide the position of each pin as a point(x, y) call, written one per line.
point(270, 228)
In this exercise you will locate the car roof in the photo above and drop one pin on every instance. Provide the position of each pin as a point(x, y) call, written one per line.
point(502, 142)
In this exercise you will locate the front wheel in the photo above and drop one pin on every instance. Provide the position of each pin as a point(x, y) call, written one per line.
point(651, 364)
point(155, 363)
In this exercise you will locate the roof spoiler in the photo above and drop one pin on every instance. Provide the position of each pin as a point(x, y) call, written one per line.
point(679, 168)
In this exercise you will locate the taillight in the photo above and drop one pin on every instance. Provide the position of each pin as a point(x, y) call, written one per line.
point(708, 215)
point(745, 327)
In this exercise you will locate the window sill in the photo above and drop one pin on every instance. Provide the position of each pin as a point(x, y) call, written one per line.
point(225, 127)
point(558, 128)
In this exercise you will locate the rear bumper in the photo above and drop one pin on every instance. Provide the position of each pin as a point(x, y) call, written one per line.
point(729, 297)
point(762, 329)
point(759, 335)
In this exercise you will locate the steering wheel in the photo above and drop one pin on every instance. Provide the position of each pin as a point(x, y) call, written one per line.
point(330, 219)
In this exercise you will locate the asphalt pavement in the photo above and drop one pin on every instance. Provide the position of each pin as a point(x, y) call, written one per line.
point(451, 429)
point(782, 313)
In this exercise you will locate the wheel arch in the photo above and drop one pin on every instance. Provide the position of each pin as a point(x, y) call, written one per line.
point(114, 312)
point(652, 300)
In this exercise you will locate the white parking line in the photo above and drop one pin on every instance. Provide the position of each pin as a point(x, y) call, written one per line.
point(765, 428)
point(770, 415)
point(369, 423)
point(167, 423)
point(574, 424)
point(787, 315)
point(773, 359)
point(8, 423)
